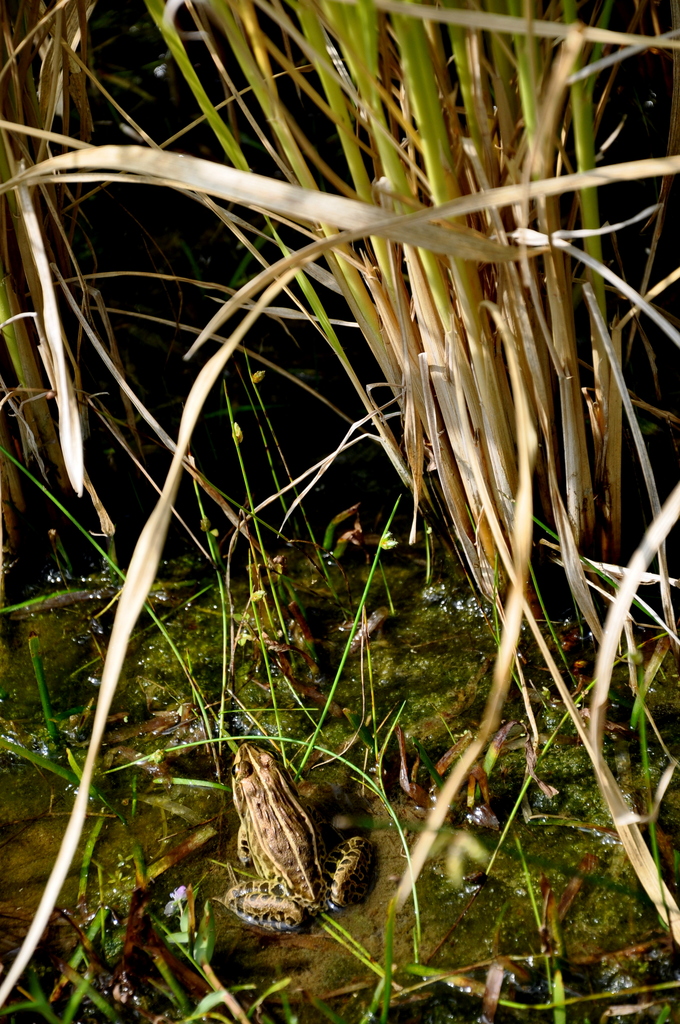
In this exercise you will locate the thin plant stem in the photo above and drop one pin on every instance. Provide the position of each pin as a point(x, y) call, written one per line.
point(39, 670)
point(87, 859)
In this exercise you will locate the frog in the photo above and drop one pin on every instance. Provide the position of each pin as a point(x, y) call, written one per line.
point(283, 841)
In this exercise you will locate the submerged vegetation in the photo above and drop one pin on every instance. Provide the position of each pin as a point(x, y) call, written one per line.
point(430, 180)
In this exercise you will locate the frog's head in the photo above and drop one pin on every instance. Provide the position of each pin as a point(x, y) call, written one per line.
point(257, 773)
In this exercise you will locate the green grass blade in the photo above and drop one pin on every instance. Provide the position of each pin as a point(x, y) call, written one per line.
point(38, 668)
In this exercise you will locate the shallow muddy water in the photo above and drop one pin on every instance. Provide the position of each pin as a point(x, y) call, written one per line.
point(559, 895)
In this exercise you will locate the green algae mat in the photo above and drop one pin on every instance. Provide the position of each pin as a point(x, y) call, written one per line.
point(527, 908)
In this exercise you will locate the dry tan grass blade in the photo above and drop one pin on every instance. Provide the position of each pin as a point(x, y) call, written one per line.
point(42, 133)
point(601, 328)
point(651, 542)
point(108, 362)
point(257, 191)
point(631, 838)
point(315, 207)
point(46, 304)
point(636, 849)
point(506, 23)
point(508, 195)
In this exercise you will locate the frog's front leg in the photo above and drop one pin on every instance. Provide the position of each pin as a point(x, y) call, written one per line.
point(349, 867)
point(265, 903)
point(243, 847)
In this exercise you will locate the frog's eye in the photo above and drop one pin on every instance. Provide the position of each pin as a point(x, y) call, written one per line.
point(242, 770)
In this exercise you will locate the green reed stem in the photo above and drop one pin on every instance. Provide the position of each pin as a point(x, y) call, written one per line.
point(8, 331)
point(646, 771)
point(173, 984)
point(156, 9)
point(327, 1011)
point(525, 51)
point(427, 536)
point(38, 668)
point(584, 144)
point(560, 1011)
point(87, 859)
point(76, 998)
point(342, 936)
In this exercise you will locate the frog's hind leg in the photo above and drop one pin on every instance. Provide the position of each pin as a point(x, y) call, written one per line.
point(349, 867)
point(265, 904)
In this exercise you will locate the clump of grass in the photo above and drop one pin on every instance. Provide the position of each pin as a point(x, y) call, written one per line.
point(388, 87)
